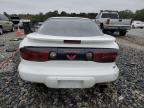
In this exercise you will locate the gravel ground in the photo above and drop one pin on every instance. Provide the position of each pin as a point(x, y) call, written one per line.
point(136, 32)
point(126, 92)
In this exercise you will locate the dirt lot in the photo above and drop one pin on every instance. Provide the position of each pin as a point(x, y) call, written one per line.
point(126, 92)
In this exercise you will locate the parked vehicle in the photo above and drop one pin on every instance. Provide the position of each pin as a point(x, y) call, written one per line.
point(5, 24)
point(137, 24)
point(15, 20)
point(110, 21)
point(20, 24)
point(68, 52)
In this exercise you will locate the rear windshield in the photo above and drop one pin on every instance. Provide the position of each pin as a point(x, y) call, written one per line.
point(70, 27)
point(110, 15)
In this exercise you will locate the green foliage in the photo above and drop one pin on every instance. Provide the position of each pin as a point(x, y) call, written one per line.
point(42, 17)
point(128, 14)
point(139, 15)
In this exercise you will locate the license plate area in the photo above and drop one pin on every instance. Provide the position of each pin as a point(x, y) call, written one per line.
point(70, 83)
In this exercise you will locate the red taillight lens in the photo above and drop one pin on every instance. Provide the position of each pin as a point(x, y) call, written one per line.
point(105, 55)
point(34, 54)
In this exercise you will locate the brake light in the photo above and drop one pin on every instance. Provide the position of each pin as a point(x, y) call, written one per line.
point(105, 55)
point(34, 54)
point(72, 41)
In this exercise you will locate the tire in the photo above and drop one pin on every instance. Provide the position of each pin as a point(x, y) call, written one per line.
point(133, 26)
point(122, 33)
point(102, 28)
point(1, 31)
point(104, 31)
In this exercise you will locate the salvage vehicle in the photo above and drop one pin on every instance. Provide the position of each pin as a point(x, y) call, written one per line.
point(68, 52)
point(15, 19)
point(5, 24)
point(137, 24)
point(20, 24)
point(109, 21)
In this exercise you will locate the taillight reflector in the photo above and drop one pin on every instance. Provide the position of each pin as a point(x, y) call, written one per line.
point(34, 54)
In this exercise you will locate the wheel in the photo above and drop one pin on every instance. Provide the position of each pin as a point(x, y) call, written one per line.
point(12, 30)
point(133, 26)
point(122, 33)
point(1, 31)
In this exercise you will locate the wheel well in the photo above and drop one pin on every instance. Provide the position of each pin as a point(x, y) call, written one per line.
point(1, 26)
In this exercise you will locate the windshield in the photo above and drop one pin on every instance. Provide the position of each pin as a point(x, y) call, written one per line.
point(110, 15)
point(70, 27)
point(15, 18)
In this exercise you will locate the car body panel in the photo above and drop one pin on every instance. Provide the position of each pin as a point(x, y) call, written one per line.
point(77, 70)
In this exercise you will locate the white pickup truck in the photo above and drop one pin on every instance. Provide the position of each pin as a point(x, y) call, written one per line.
point(110, 21)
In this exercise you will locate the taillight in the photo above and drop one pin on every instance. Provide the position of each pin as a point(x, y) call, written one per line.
point(105, 55)
point(108, 21)
point(34, 54)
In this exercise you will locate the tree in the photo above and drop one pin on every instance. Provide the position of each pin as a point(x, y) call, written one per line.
point(6, 14)
point(126, 14)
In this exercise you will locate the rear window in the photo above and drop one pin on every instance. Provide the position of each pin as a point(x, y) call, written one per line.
point(110, 15)
point(70, 27)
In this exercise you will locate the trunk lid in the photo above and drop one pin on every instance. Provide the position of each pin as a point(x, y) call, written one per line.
point(104, 41)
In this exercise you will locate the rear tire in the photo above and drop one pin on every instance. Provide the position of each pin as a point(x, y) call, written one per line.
point(122, 33)
point(133, 26)
point(1, 31)
point(104, 31)
point(102, 28)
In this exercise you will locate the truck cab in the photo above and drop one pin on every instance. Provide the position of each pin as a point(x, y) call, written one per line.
point(111, 21)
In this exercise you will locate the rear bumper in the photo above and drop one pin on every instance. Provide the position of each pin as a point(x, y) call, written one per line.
point(117, 27)
point(68, 74)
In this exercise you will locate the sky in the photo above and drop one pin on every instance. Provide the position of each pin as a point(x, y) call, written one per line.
point(77, 6)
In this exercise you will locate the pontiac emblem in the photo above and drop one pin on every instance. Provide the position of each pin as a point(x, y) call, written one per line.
point(71, 57)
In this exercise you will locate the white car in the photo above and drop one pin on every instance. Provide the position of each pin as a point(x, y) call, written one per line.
point(137, 24)
point(68, 52)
